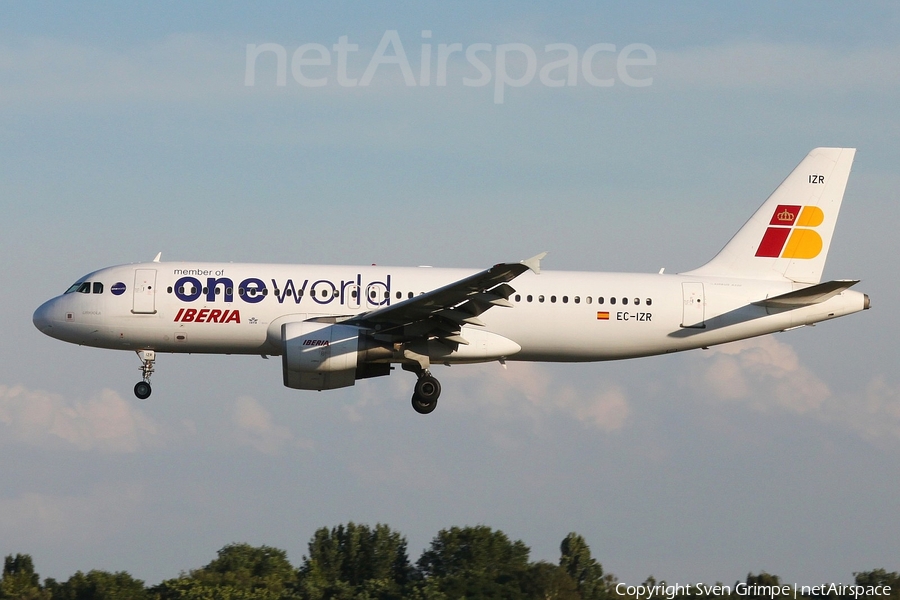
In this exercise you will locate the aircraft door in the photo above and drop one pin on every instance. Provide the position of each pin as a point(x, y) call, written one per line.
point(694, 305)
point(144, 292)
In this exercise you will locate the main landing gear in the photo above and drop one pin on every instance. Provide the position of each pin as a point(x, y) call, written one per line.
point(142, 388)
point(426, 393)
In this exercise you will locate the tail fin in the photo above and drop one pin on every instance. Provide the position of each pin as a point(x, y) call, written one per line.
point(789, 236)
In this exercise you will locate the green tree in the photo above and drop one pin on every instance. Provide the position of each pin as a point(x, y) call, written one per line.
point(250, 568)
point(475, 562)
point(355, 561)
point(763, 579)
point(576, 560)
point(880, 577)
point(20, 581)
point(546, 581)
point(239, 572)
point(98, 585)
point(185, 588)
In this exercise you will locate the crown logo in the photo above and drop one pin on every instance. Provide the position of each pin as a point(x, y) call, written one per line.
point(785, 215)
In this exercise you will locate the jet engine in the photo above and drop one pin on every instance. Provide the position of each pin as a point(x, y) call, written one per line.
point(324, 356)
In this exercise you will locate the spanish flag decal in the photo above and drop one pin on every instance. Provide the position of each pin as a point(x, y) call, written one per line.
point(603, 316)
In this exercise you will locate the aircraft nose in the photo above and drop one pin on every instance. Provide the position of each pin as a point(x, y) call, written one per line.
point(42, 317)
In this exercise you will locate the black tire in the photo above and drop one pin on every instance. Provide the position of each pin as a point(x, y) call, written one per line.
point(142, 390)
point(426, 394)
point(428, 388)
point(423, 407)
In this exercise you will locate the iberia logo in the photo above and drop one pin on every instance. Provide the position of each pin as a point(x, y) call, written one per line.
point(790, 233)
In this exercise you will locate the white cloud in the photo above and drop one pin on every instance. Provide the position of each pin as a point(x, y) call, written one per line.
point(874, 412)
point(255, 428)
point(763, 371)
point(104, 422)
point(767, 375)
point(536, 392)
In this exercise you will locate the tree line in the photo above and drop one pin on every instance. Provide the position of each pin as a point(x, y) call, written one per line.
point(359, 562)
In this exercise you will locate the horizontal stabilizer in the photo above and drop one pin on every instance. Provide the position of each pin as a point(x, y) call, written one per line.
point(813, 294)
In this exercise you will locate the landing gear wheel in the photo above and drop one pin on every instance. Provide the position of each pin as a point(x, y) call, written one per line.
point(142, 390)
point(425, 394)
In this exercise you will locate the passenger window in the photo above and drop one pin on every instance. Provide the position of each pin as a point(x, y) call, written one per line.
point(552, 298)
point(409, 295)
point(353, 294)
point(637, 301)
point(588, 299)
point(624, 300)
point(600, 300)
point(518, 298)
point(230, 291)
point(399, 295)
point(541, 298)
point(205, 290)
point(612, 300)
point(565, 299)
point(98, 287)
point(576, 299)
point(529, 297)
point(649, 301)
point(169, 289)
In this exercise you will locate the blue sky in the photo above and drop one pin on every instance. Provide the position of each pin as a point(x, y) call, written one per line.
point(126, 131)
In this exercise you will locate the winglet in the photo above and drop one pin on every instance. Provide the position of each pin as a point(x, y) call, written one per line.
point(534, 263)
point(158, 256)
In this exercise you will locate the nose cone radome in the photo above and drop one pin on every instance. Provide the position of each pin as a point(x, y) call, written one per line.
point(43, 317)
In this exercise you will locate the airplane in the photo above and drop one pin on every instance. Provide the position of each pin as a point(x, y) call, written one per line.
point(333, 325)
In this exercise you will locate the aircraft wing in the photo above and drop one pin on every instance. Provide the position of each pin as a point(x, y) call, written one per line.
point(442, 312)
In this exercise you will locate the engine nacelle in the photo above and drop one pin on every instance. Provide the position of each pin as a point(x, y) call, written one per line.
point(325, 356)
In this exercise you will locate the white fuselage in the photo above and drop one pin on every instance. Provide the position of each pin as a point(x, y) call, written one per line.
point(227, 308)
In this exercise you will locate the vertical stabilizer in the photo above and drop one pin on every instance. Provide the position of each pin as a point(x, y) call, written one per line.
point(789, 236)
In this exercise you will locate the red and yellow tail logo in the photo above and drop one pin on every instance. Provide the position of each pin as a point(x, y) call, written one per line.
point(790, 233)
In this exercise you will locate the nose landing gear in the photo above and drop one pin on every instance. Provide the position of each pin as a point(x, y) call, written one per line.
point(142, 388)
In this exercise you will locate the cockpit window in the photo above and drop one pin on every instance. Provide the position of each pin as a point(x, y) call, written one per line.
point(86, 287)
